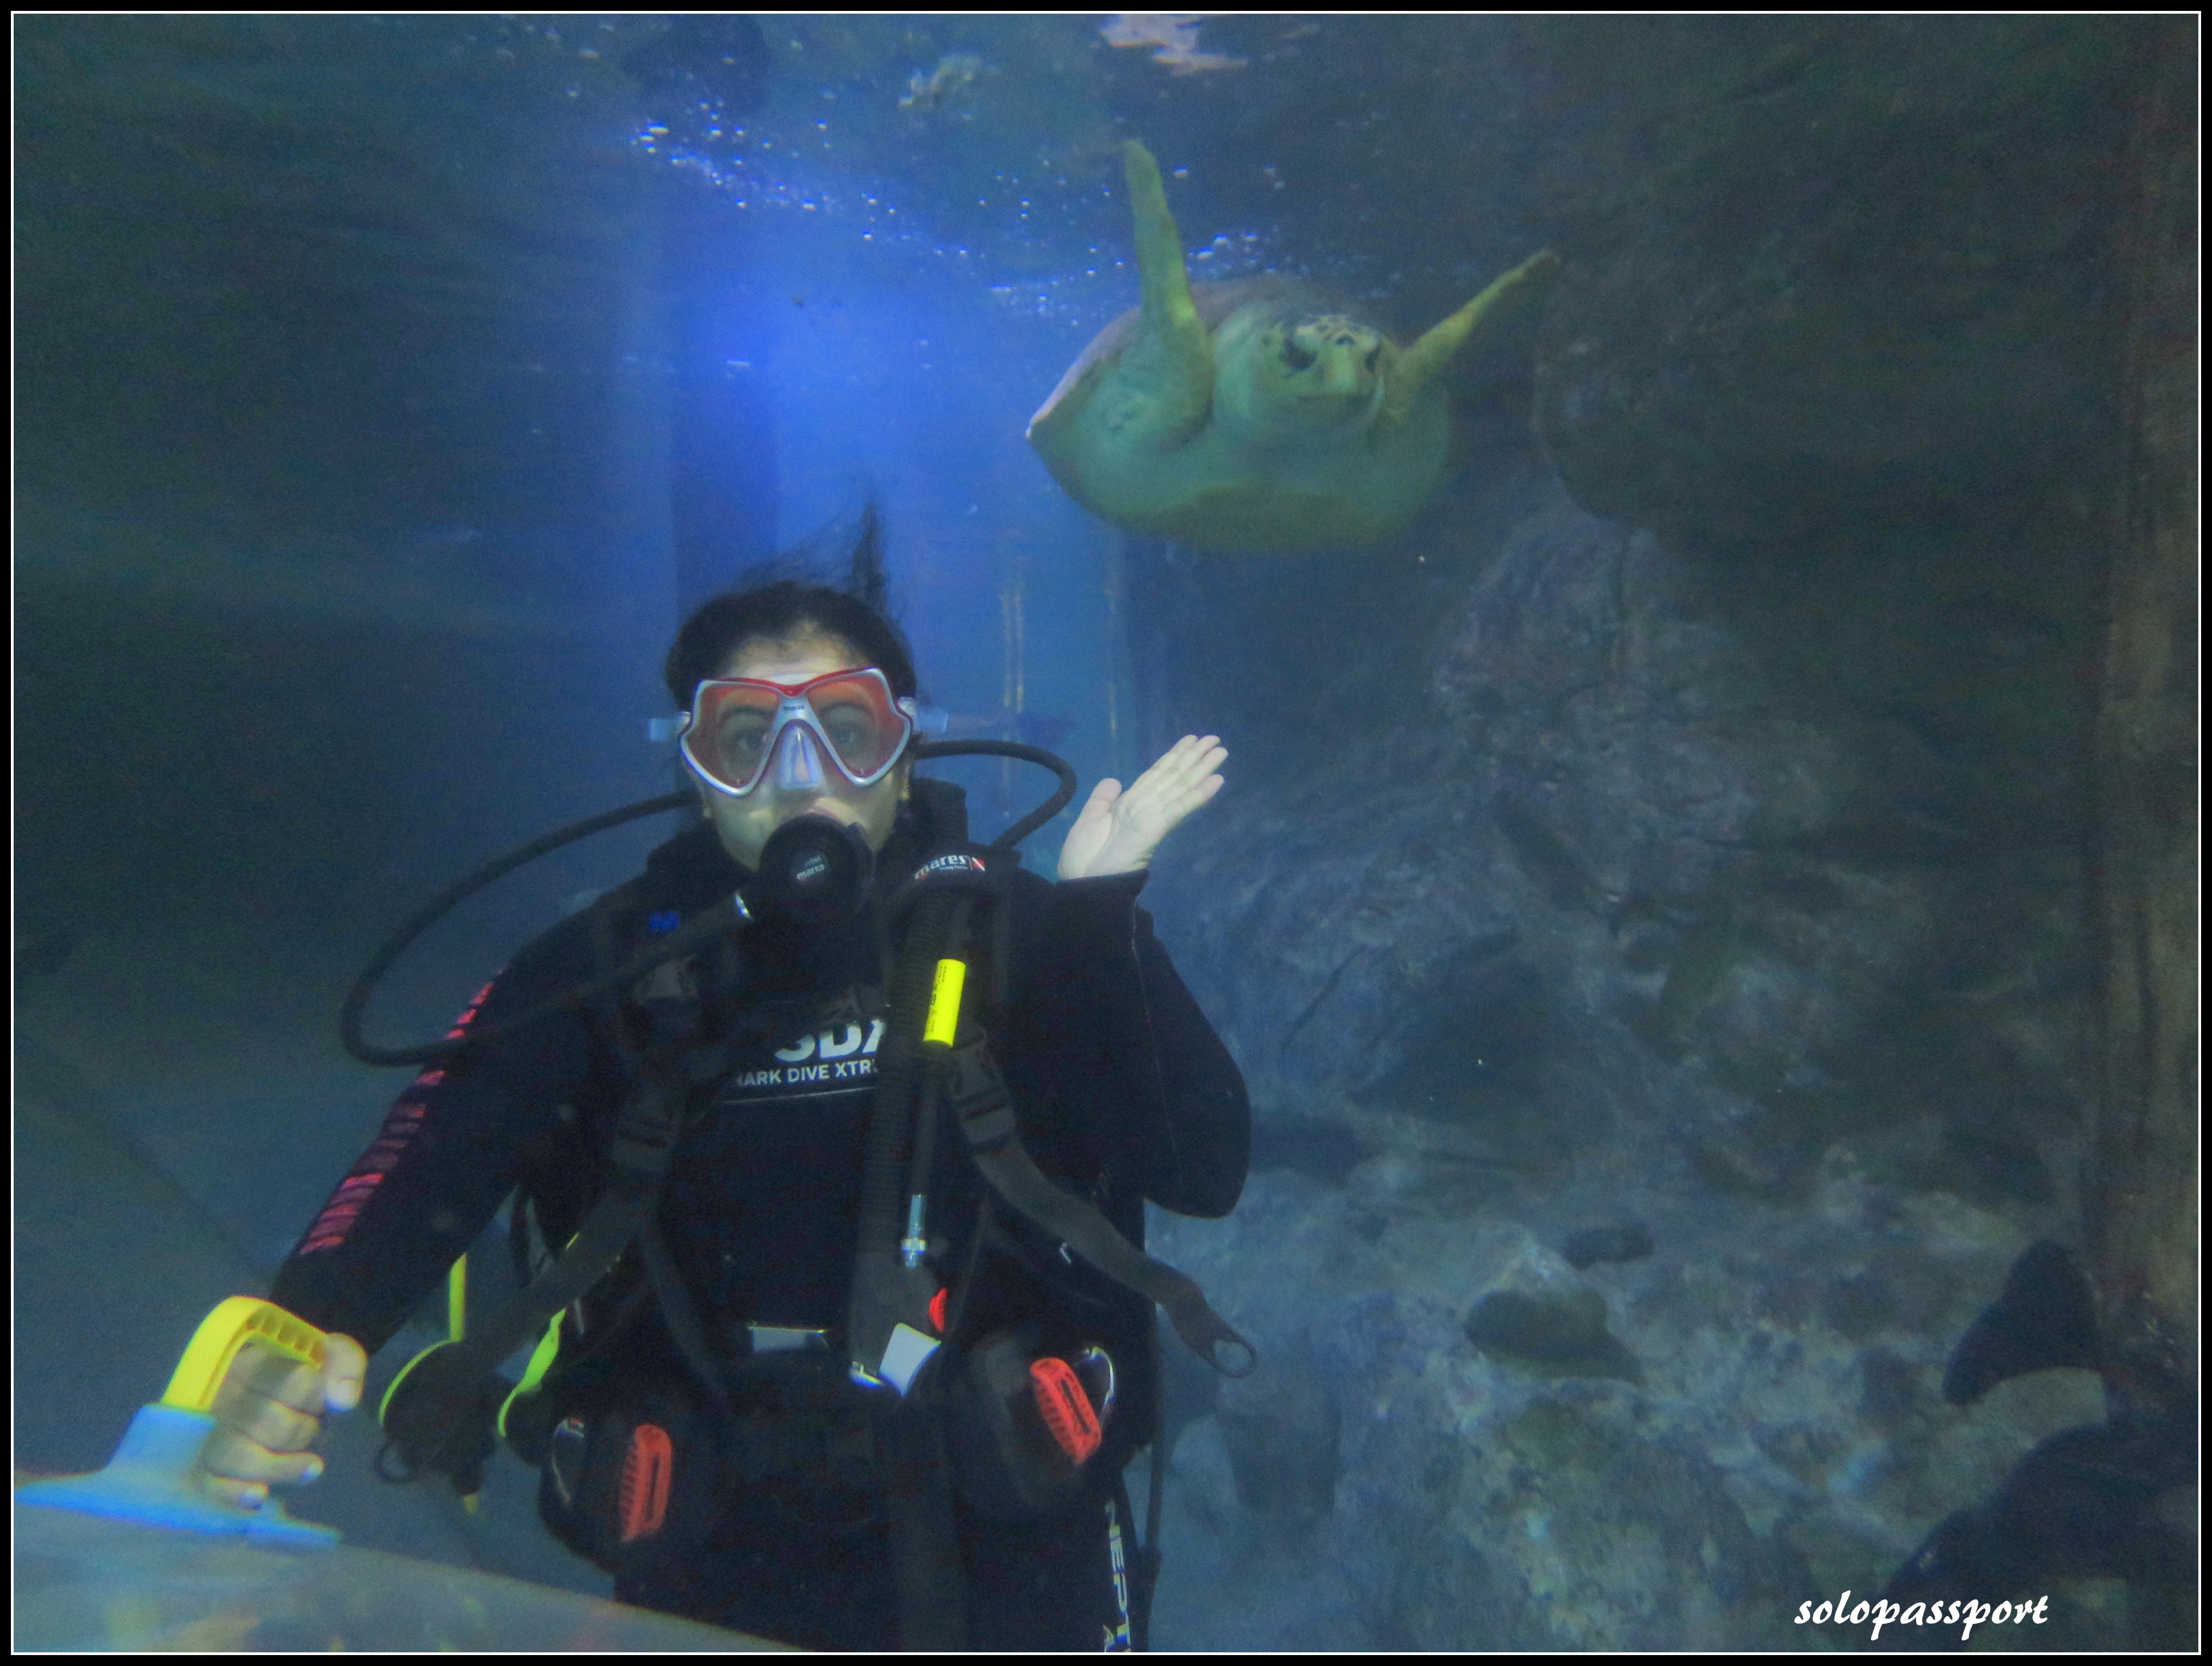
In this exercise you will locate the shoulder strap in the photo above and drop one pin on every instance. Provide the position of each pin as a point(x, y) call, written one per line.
point(659, 1081)
point(446, 1395)
point(979, 1099)
point(676, 1067)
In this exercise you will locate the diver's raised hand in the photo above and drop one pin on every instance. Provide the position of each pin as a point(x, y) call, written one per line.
point(1118, 830)
point(268, 1412)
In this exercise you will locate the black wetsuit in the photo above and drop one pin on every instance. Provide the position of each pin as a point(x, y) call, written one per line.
point(1122, 1091)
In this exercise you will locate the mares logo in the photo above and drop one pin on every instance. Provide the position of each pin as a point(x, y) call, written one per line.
point(952, 863)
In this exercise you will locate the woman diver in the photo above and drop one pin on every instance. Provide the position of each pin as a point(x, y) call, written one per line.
point(768, 1497)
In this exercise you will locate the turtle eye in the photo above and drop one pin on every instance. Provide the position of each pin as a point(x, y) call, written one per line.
point(1374, 356)
point(1295, 355)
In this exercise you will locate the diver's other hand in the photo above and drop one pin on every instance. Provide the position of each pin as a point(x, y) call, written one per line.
point(268, 1411)
point(1118, 831)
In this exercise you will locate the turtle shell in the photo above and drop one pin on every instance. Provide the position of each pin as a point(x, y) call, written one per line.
point(1214, 302)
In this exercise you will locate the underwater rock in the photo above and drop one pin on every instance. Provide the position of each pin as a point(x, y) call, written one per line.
point(1631, 1241)
point(1909, 841)
point(2099, 1502)
point(1546, 857)
point(1283, 1430)
point(2043, 1321)
point(1326, 1151)
point(1858, 1305)
point(1994, 1169)
point(2143, 1201)
point(1755, 357)
point(1189, 1388)
point(1569, 714)
point(1999, 627)
point(1890, 1394)
point(1694, 977)
point(1367, 1225)
point(1479, 1037)
point(1563, 1333)
point(1769, 1166)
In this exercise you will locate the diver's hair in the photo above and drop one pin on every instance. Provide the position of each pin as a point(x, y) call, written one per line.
point(781, 601)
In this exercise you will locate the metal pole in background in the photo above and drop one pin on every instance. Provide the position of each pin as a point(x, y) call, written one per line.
point(1011, 624)
point(1114, 761)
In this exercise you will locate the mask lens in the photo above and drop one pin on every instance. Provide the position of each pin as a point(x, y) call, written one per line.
point(729, 733)
point(735, 727)
point(865, 730)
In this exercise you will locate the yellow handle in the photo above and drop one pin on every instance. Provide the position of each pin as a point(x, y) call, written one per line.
point(236, 1322)
point(945, 1002)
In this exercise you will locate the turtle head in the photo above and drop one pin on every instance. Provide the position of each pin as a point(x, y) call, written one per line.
point(1327, 367)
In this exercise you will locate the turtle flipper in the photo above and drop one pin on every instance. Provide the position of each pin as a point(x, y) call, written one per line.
point(1420, 363)
point(1175, 338)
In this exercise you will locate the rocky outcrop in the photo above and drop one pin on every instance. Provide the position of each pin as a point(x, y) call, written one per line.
point(1862, 279)
point(1593, 868)
point(1690, 820)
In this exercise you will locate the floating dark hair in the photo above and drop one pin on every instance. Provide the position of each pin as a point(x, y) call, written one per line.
point(781, 601)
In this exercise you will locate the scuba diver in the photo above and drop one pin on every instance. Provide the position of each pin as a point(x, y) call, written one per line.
point(836, 1379)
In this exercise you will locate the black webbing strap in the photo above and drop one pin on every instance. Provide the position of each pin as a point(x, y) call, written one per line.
point(680, 1067)
point(978, 1096)
point(662, 1080)
point(886, 1292)
point(645, 1136)
point(678, 1315)
point(932, 1585)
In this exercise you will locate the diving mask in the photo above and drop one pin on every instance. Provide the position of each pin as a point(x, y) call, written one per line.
point(739, 729)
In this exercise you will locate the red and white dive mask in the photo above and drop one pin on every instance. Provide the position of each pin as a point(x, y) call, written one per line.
point(739, 729)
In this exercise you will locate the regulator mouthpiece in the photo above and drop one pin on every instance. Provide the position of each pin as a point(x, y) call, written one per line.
point(815, 872)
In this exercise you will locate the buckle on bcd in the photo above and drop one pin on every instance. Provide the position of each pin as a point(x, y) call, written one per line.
point(787, 1339)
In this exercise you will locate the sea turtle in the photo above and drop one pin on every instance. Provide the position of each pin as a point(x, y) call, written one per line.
point(1252, 416)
